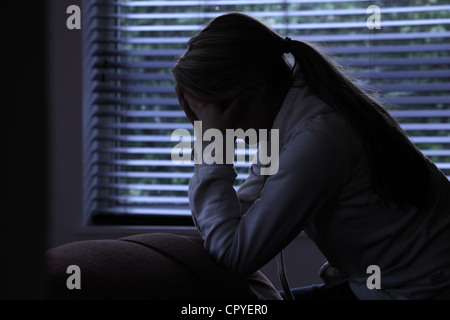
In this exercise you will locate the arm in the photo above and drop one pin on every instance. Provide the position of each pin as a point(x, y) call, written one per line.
point(251, 189)
point(312, 172)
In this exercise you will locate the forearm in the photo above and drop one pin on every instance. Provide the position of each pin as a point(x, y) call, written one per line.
point(215, 206)
point(241, 244)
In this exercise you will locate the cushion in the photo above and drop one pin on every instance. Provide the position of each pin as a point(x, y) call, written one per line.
point(148, 266)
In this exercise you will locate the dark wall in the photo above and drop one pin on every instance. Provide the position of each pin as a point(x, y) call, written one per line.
point(24, 151)
point(65, 106)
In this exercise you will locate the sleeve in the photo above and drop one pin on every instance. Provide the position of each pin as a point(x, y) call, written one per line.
point(312, 172)
point(251, 189)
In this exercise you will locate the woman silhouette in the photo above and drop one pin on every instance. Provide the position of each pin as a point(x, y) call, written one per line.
point(348, 175)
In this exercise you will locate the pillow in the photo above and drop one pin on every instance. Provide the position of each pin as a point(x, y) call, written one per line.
point(155, 266)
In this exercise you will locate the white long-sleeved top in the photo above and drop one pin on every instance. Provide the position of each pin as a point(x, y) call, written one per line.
point(323, 187)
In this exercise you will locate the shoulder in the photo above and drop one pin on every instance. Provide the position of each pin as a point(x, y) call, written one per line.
point(304, 112)
point(331, 126)
point(303, 109)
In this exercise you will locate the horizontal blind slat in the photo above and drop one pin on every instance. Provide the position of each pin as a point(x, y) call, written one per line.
point(147, 210)
point(158, 163)
point(292, 26)
point(307, 37)
point(266, 14)
point(332, 50)
point(174, 3)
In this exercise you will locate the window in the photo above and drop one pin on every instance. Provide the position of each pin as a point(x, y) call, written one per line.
point(130, 109)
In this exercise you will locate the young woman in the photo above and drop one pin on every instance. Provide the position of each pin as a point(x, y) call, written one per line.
point(348, 175)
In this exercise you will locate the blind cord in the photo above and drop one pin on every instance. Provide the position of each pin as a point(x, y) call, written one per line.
point(283, 278)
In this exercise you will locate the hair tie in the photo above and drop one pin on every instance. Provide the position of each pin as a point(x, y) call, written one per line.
point(286, 45)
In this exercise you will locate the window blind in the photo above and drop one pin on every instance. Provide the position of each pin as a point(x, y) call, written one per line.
point(131, 110)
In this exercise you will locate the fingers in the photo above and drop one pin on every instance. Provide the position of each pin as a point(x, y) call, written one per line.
point(185, 106)
point(234, 108)
point(210, 114)
point(203, 110)
point(193, 104)
point(196, 105)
